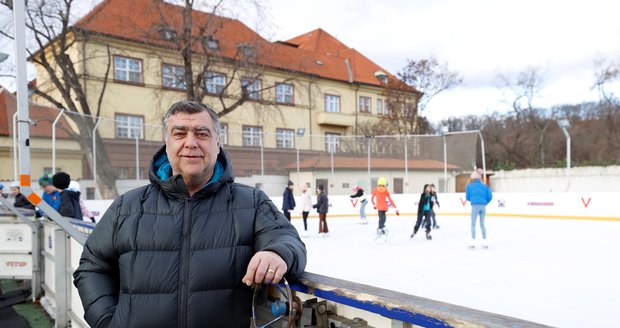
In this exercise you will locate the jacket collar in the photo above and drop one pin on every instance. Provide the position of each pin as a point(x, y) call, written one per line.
point(160, 173)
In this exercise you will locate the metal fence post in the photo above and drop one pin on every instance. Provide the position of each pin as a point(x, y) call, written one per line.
point(61, 278)
point(36, 260)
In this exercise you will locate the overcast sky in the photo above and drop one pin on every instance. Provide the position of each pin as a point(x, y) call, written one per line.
point(477, 38)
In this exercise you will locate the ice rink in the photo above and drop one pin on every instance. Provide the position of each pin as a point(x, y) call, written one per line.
point(562, 273)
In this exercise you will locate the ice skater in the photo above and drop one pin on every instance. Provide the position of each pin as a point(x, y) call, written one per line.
point(435, 202)
point(322, 206)
point(306, 206)
point(425, 207)
point(479, 195)
point(360, 197)
point(382, 195)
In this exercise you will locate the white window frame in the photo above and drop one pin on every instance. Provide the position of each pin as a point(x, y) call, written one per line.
point(380, 106)
point(129, 126)
point(252, 135)
point(364, 104)
point(285, 93)
point(332, 142)
point(215, 82)
point(253, 87)
point(127, 69)
point(173, 76)
point(332, 103)
point(285, 138)
point(224, 134)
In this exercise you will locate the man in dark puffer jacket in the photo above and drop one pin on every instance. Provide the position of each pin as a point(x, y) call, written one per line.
point(183, 251)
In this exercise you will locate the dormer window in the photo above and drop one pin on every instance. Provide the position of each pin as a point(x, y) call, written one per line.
point(211, 43)
point(167, 33)
point(383, 78)
point(246, 49)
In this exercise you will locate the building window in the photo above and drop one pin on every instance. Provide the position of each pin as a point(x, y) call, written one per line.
point(410, 110)
point(332, 103)
point(127, 69)
point(215, 82)
point(252, 135)
point(285, 138)
point(129, 126)
point(332, 142)
point(173, 76)
point(380, 107)
point(252, 87)
point(284, 93)
point(364, 104)
point(224, 134)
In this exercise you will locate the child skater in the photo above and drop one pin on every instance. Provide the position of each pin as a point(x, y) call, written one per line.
point(382, 196)
point(425, 207)
point(360, 198)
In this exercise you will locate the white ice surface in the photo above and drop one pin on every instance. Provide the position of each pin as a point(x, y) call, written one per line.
point(563, 273)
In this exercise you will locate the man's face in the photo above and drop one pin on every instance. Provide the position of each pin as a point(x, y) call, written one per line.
point(14, 191)
point(192, 146)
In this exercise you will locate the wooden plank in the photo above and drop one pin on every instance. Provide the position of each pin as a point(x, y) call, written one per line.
point(407, 308)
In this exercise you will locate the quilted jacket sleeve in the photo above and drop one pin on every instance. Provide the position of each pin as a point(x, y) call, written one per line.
point(273, 232)
point(97, 277)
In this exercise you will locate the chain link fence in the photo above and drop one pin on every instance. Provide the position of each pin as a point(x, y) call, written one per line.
point(120, 150)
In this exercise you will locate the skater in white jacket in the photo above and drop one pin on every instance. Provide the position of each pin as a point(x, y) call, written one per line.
point(306, 206)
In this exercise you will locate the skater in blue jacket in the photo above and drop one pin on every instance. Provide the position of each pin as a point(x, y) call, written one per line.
point(479, 195)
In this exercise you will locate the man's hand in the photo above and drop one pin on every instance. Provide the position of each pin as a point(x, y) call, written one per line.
point(265, 267)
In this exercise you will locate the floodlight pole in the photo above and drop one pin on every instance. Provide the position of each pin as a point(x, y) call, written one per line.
point(62, 111)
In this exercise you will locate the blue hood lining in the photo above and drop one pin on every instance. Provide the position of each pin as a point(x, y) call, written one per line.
point(163, 169)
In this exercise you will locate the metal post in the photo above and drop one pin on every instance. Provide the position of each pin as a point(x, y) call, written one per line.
point(62, 111)
point(368, 177)
point(36, 260)
point(296, 146)
point(484, 162)
point(15, 148)
point(61, 277)
point(565, 125)
point(95, 151)
point(262, 157)
point(406, 164)
point(445, 165)
point(137, 157)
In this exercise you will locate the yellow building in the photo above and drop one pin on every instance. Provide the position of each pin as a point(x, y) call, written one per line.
point(311, 85)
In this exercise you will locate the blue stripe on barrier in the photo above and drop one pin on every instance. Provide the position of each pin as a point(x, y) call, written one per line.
point(393, 313)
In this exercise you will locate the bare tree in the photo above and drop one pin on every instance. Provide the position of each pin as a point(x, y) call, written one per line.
point(430, 77)
point(523, 88)
point(409, 94)
point(195, 36)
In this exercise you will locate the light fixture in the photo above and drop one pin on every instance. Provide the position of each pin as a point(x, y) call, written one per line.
point(301, 132)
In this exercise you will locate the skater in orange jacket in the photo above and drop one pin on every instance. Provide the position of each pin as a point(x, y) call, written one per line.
point(382, 195)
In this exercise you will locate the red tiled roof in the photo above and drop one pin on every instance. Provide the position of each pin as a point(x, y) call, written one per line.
point(317, 52)
point(358, 163)
point(43, 116)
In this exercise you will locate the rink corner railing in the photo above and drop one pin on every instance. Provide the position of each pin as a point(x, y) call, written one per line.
point(40, 250)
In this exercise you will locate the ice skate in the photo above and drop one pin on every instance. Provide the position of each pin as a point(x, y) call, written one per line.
point(428, 236)
point(472, 244)
point(413, 234)
point(304, 234)
point(382, 235)
point(485, 245)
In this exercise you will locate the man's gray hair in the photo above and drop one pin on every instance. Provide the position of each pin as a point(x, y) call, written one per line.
point(191, 107)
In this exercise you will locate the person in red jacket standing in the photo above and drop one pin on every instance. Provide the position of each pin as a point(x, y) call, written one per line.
point(380, 197)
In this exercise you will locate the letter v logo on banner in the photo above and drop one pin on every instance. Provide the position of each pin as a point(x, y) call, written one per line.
point(586, 203)
point(463, 201)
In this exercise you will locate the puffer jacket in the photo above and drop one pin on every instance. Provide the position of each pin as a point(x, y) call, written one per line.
point(477, 193)
point(70, 204)
point(160, 258)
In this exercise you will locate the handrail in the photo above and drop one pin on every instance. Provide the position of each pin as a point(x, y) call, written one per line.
point(403, 307)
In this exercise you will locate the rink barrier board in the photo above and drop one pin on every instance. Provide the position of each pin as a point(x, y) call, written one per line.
point(402, 307)
point(508, 215)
